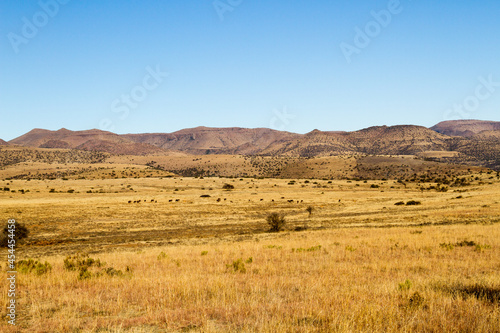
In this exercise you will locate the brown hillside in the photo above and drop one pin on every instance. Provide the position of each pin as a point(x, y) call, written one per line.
point(401, 139)
point(39, 137)
point(91, 140)
point(202, 140)
point(123, 148)
point(3, 143)
point(465, 128)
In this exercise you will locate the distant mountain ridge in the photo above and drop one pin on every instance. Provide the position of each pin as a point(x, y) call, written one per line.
point(466, 128)
point(475, 141)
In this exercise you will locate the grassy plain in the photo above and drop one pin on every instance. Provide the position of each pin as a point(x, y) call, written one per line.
point(357, 263)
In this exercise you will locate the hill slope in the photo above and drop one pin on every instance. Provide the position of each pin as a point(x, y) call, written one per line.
point(85, 140)
point(472, 142)
point(203, 140)
point(465, 128)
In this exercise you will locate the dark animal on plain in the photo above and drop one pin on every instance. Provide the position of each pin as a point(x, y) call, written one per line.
point(170, 200)
point(218, 199)
point(176, 200)
point(130, 201)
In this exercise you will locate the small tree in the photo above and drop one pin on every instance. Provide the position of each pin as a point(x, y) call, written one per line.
point(310, 209)
point(276, 221)
point(20, 232)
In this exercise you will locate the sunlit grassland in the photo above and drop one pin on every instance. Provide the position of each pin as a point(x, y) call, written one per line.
point(362, 264)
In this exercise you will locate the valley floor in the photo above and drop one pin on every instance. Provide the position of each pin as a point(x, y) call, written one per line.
point(188, 255)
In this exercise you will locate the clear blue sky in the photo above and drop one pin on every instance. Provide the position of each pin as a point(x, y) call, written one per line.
point(278, 64)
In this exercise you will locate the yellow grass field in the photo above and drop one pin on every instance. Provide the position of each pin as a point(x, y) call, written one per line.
point(187, 255)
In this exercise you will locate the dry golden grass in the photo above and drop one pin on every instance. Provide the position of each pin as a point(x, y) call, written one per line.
point(346, 273)
point(351, 283)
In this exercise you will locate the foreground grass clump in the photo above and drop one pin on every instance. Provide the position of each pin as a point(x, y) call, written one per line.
point(33, 266)
point(261, 285)
point(83, 264)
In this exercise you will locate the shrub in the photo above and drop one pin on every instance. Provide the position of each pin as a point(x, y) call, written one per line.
point(311, 249)
point(33, 266)
point(404, 286)
point(447, 246)
point(228, 187)
point(310, 209)
point(20, 232)
point(374, 186)
point(162, 256)
point(413, 203)
point(237, 266)
point(276, 222)
point(399, 203)
point(81, 262)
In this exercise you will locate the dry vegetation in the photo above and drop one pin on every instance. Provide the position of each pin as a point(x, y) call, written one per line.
point(183, 254)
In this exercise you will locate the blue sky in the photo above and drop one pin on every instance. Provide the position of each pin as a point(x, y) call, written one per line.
point(160, 66)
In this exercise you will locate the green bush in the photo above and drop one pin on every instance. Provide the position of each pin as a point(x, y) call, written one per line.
point(33, 266)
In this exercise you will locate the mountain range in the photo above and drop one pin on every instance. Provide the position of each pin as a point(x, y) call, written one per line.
point(472, 142)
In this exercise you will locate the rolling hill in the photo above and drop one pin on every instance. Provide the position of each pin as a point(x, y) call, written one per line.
point(466, 128)
point(91, 140)
point(471, 142)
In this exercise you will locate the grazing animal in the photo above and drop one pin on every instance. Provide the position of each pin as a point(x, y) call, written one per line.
point(218, 199)
point(177, 200)
point(152, 200)
point(272, 200)
point(224, 199)
point(130, 201)
point(261, 199)
point(170, 200)
point(144, 200)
